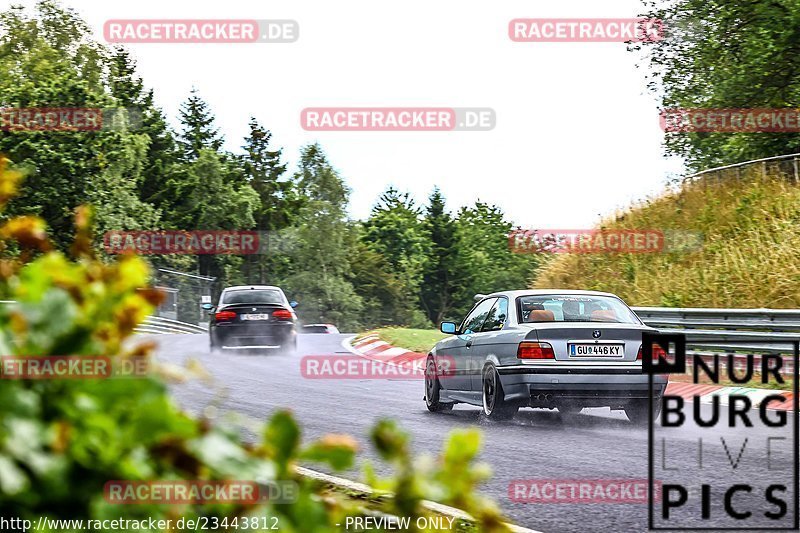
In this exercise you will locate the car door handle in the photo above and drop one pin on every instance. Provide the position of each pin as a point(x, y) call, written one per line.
point(469, 343)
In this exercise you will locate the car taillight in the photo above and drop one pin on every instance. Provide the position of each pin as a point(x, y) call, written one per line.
point(535, 350)
point(224, 315)
point(658, 351)
point(282, 314)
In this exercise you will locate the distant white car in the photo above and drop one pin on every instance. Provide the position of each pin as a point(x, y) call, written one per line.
point(319, 328)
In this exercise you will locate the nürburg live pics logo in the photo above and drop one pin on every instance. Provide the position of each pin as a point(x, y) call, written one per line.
point(724, 451)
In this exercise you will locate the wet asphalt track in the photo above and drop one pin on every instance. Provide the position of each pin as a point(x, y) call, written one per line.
point(597, 444)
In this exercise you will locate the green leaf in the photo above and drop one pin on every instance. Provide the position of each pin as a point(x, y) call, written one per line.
point(283, 436)
point(389, 440)
point(12, 479)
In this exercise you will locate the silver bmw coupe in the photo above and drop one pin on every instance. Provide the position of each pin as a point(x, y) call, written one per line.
point(554, 349)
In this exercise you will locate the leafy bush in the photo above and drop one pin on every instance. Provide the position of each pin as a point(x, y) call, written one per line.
point(62, 440)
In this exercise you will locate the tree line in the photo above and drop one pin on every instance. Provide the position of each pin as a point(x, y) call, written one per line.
point(407, 263)
point(722, 55)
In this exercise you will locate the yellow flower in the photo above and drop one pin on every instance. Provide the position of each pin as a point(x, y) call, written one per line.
point(9, 181)
point(28, 231)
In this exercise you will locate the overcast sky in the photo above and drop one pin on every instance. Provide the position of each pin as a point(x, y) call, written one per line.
point(577, 133)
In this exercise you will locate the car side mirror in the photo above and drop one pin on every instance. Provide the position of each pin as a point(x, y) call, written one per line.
point(208, 307)
point(293, 303)
point(448, 327)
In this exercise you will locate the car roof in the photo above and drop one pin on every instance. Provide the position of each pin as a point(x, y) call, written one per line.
point(326, 325)
point(535, 292)
point(251, 287)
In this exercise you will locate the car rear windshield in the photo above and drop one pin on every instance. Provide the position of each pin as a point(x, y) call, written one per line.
point(315, 329)
point(574, 308)
point(252, 296)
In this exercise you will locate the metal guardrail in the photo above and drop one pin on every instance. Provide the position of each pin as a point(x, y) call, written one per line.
point(739, 332)
point(742, 329)
point(788, 165)
point(157, 324)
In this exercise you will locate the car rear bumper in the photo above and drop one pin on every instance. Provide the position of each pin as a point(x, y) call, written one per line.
point(242, 335)
point(588, 387)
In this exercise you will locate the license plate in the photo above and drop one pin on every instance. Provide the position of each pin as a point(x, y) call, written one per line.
point(595, 350)
point(257, 316)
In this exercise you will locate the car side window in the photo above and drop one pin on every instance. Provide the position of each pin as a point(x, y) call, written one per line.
point(497, 316)
point(474, 321)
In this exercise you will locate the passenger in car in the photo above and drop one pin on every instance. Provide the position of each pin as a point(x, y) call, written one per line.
point(540, 315)
point(604, 315)
point(537, 313)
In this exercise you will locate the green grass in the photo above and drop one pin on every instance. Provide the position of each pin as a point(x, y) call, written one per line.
point(416, 340)
point(748, 258)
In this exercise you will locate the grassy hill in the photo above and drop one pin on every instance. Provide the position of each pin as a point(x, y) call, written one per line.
point(750, 254)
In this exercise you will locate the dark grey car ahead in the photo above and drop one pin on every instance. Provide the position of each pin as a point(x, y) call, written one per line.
point(253, 317)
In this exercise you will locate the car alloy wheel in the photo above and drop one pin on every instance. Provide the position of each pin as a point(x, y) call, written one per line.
point(489, 391)
point(494, 405)
point(432, 389)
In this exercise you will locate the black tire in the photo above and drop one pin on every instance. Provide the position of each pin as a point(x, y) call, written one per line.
point(494, 405)
point(432, 388)
point(637, 411)
point(212, 346)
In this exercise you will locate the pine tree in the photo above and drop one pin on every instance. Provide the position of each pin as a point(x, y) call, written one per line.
point(279, 200)
point(198, 131)
point(264, 171)
point(317, 180)
point(439, 279)
point(323, 250)
point(395, 229)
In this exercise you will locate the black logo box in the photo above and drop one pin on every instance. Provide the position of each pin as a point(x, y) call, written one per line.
point(679, 340)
